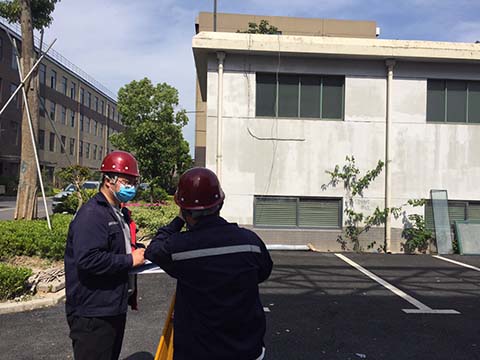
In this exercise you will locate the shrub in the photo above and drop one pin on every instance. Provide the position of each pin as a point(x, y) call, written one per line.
point(11, 184)
point(150, 218)
point(70, 203)
point(156, 194)
point(33, 238)
point(13, 281)
point(417, 236)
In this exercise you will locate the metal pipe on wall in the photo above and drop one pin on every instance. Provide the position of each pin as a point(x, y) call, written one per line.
point(221, 58)
point(388, 174)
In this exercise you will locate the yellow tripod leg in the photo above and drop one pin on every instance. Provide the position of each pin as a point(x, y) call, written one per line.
point(165, 345)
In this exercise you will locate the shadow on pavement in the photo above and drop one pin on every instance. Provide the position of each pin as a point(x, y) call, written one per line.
point(142, 355)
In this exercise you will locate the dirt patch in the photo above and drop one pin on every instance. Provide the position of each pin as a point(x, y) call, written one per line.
point(47, 278)
point(35, 263)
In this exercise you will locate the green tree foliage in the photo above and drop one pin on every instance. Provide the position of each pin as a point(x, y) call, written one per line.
point(153, 131)
point(263, 28)
point(41, 11)
point(77, 175)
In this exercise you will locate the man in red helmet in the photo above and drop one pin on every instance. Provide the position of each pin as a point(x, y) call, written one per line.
point(98, 256)
point(218, 266)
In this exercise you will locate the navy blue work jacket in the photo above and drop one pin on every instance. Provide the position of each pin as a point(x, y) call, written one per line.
point(96, 263)
point(218, 266)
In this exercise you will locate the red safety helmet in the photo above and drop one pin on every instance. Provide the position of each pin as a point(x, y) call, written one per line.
point(198, 189)
point(120, 162)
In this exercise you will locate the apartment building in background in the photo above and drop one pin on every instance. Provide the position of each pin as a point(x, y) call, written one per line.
point(77, 113)
point(275, 112)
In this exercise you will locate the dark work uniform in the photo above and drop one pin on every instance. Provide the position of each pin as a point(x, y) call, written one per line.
point(218, 265)
point(96, 271)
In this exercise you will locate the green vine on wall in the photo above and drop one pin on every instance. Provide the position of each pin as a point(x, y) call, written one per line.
point(355, 184)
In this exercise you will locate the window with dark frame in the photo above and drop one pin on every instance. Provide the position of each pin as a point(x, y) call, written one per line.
point(53, 79)
point(51, 143)
point(63, 144)
point(41, 139)
point(72, 146)
point(72, 118)
point(64, 85)
point(42, 73)
point(300, 96)
point(453, 101)
point(457, 210)
point(64, 115)
point(52, 110)
point(297, 212)
point(73, 90)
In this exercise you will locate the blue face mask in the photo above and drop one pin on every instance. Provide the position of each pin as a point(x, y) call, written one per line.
point(126, 193)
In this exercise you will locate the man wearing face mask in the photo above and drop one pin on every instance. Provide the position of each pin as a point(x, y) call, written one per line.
point(98, 256)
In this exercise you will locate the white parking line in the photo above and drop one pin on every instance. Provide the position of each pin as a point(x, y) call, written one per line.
point(421, 308)
point(7, 209)
point(457, 262)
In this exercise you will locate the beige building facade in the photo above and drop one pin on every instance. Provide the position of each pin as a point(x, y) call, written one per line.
point(281, 110)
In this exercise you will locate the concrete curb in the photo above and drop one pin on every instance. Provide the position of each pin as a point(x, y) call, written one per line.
point(15, 307)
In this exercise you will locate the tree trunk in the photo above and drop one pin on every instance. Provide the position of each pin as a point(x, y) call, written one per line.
point(26, 207)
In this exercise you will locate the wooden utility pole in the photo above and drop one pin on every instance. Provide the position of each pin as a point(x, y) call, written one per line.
point(26, 207)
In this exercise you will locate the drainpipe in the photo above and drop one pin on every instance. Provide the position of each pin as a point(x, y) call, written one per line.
point(388, 175)
point(221, 58)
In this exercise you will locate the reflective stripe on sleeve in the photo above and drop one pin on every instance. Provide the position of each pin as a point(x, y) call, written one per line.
point(192, 254)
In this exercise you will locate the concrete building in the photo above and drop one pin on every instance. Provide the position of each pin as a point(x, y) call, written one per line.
point(77, 111)
point(282, 109)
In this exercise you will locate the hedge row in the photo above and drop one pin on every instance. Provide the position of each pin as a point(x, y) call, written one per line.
point(150, 218)
point(33, 238)
point(13, 281)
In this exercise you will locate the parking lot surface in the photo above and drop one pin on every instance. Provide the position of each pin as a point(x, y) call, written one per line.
point(320, 306)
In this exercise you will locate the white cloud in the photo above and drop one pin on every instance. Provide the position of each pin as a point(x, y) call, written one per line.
point(120, 41)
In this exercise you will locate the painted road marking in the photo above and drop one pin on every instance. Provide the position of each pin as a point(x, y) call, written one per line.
point(266, 309)
point(7, 209)
point(421, 308)
point(457, 262)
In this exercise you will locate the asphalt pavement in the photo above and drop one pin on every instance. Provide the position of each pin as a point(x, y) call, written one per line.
point(321, 306)
point(7, 207)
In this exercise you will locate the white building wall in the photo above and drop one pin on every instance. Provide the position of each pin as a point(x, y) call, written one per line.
point(425, 156)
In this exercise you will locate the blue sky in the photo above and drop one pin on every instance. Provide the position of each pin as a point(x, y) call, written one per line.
point(117, 41)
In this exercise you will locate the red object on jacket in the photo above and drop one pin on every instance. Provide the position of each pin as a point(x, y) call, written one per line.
point(132, 299)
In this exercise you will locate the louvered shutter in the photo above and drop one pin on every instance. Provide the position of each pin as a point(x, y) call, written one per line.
point(274, 211)
point(319, 213)
point(473, 212)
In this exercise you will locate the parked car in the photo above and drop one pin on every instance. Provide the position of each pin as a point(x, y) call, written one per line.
point(69, 189)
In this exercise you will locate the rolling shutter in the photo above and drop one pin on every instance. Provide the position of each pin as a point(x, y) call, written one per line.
point(319, 213)
point(275, 211)
point(473, 212)
point(456, 211)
